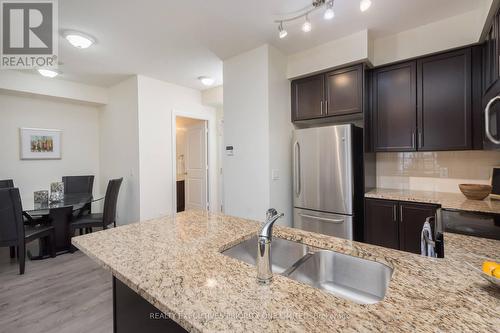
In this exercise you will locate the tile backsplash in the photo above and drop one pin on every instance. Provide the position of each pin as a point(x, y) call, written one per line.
point(435, 171)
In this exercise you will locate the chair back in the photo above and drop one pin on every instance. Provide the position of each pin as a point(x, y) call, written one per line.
point(78, 184)
point(110, 202)
point(11, 217)
point(61, 219)
point(6, 183)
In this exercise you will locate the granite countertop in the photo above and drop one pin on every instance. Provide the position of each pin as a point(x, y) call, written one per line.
point(446, 200)
point(176, 264)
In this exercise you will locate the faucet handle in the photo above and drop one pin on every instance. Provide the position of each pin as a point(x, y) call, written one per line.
point(271, 212)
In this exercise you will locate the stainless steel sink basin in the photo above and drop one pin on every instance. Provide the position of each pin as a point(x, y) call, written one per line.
point(356, 279)
point(284, 253)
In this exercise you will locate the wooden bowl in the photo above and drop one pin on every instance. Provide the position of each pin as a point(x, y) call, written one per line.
point(475, 191)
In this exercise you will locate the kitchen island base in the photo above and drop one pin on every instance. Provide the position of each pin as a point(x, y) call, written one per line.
point(132, 313)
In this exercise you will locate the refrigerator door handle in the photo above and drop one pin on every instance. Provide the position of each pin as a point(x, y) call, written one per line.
point(297, 169)
point(337, 221)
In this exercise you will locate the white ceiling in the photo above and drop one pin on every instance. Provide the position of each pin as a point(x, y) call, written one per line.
point(177, 41)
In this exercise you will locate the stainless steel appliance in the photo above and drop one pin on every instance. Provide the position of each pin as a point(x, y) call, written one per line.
point(327, 180)
point(492, 124)
point(484, 225)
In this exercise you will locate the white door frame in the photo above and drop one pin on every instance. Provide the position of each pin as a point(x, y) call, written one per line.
point(207, 118)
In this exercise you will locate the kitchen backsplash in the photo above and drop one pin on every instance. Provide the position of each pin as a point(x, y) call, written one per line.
point(435, 171)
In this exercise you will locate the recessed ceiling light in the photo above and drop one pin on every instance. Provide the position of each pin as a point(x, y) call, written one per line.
point(78, 39)
point(364, 5)
point(306, 27)
point(48, 72)
point(207, 81)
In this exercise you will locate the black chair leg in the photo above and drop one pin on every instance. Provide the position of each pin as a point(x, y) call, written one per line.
point(81, 231)
point(72, 248)
point(21, 250)
point(52, 245)
point(12, 252)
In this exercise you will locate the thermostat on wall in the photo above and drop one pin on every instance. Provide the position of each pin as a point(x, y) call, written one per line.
point(229, 150)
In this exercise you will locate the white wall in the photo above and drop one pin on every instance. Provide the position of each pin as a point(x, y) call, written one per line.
point(341, 51)
point(280, 136)
point(438, 36)
point(246, 128)
point(257, 125)
point(80, 141)
point(119, 145)
point(157, 101)
point(11, 80)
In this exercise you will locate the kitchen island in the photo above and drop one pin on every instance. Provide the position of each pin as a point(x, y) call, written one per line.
point(176, 265)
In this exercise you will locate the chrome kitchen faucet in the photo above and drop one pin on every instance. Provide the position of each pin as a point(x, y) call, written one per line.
point(264, 271)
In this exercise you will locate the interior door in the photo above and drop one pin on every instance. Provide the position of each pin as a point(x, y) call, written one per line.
point(196, 167)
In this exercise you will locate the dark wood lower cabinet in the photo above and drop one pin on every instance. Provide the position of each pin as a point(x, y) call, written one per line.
point(381, 224)
point(396, 224)
point(132, 313)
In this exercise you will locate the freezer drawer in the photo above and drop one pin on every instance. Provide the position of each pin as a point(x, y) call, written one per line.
point(324, 223)
point(323, 169)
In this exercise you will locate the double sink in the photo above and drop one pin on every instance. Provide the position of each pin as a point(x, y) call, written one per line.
point(352, 278)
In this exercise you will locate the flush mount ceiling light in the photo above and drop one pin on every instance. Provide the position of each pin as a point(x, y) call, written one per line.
point(207, 81)
point(48, 72)
point(364, 5)
point(304, 14)
point(282, 32)
point(79, 39)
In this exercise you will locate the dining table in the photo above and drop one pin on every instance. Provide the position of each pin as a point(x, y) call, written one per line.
point(39, 213)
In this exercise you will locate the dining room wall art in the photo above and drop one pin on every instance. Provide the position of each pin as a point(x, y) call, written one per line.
point(40, 144)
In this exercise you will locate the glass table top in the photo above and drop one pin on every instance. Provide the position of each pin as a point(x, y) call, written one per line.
point(77, 200)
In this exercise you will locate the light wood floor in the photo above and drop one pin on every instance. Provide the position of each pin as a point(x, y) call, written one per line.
point(69, 293)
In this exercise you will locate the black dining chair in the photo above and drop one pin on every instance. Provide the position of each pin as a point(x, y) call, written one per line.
point(79, 184)
point(13, 232)
point(6, 183)
point(107, 217)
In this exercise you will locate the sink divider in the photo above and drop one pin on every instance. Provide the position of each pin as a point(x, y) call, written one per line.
point(296, 264)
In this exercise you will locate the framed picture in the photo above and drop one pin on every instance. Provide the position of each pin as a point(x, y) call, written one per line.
point(40, 144)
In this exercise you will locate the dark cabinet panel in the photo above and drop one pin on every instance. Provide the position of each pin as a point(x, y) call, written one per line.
point(308, 98)
point(411, 220)
point(381, 223)
point(445, 101)
point(394, 107)
point(344, 91)
point(181, 202)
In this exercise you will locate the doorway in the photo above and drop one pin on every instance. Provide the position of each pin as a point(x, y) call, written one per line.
point(191, 163)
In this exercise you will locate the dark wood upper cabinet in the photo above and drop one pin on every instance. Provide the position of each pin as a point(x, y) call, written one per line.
point(344, 91)
point(308, 98)
point(394, 107)
point(445, 101)
point(412, 217)
point(381, 223)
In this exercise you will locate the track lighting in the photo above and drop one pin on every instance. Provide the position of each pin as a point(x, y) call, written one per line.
point(364, 5)
point(306, 27)
point(329, 13)
point(282, 32)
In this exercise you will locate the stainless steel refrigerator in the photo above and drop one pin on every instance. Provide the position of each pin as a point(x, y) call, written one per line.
point(327, 180)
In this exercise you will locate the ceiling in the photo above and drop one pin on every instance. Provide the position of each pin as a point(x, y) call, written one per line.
point(178, 41)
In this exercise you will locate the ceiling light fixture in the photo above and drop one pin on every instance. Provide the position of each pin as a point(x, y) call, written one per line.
point(329, 13)
point(282, 32)
point(207, 81)
point(79, 39)
point(364, 5)
point(48, 72)
point(306, 27)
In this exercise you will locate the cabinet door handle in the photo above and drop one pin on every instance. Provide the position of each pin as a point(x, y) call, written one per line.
point(401, 214)
point(326, 107)
point(420, 139)
point(394, 213)
point(321, 107)
point(413, 139)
